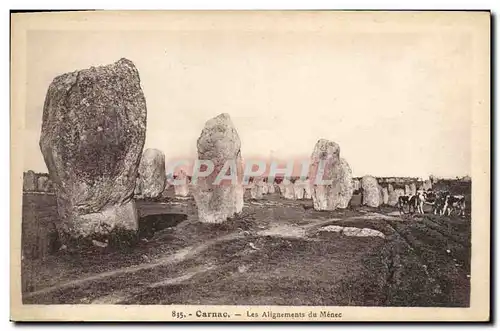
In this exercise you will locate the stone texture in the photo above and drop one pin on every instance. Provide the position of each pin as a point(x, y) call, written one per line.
point(307, 190)
point(152, 173)
point(355, 184)
point(93, 132)
point(271, 188)
point(407, 189)
point(287, 190)
point(394, 195)
point(44, 184)
point(299, 188)
point(371, 193)
point(413, 189)
point(182, 189)
point(137, 188)
point(381, 193)
point(219, 142)
point(427, 185)
point(29, 181)
point(265, 187)
point(385, 196)
point(352, 231)
point(338, 193)
point(258, 188)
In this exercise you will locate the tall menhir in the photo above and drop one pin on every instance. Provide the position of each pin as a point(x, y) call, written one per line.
point(93, 133)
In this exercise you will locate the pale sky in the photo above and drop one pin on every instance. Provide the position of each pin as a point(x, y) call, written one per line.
point(397, 103)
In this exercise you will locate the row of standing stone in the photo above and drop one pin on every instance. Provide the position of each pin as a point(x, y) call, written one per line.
point(92, 140)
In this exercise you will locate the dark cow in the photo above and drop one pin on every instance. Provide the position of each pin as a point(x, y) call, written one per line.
point(454, 202)
point(407, 200)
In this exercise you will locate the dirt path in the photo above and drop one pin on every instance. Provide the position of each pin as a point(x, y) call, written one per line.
point(179, 256)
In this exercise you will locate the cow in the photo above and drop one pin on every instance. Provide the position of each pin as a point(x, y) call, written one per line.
point(419, 200)
point(453, 202)
point(436, 200)
point(408, 200)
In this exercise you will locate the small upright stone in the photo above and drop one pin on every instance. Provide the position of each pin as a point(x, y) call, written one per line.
point(270, 188)
point(385, 196)
point(181, 188)
point(407, 189)
point(257, 189)
point(44, 184)
point(413, 189)
point(29, 181)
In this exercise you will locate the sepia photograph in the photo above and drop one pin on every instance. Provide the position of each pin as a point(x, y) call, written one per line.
point(250, 166)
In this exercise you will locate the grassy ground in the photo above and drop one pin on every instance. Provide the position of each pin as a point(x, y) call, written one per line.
point(274, 253)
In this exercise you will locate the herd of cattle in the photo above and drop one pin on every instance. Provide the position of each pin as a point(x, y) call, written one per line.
point(442, 202)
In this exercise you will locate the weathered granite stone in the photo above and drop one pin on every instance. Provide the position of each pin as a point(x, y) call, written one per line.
point(93, 132)
point(270, 188)
point(356, 185)
point(287, 190)
point(381, 192)
point(258, 188)
point(394, 195)
point(413, 189)
point(371, 193)
point(182, 187)
point(219, 142)
point(299, 188)
point(29, 181)
point(44, 184)
point(137, 188)
point(427, 185)
point(307, 189)
point(385, 196)
point(338, 192)
point(152, 173)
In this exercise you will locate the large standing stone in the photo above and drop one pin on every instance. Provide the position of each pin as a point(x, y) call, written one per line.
point(29, 181)
point(338, 192)
point(181, 188)
point(219, 142)
point(371, 193)
point(93, 132)
point(152, 173)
